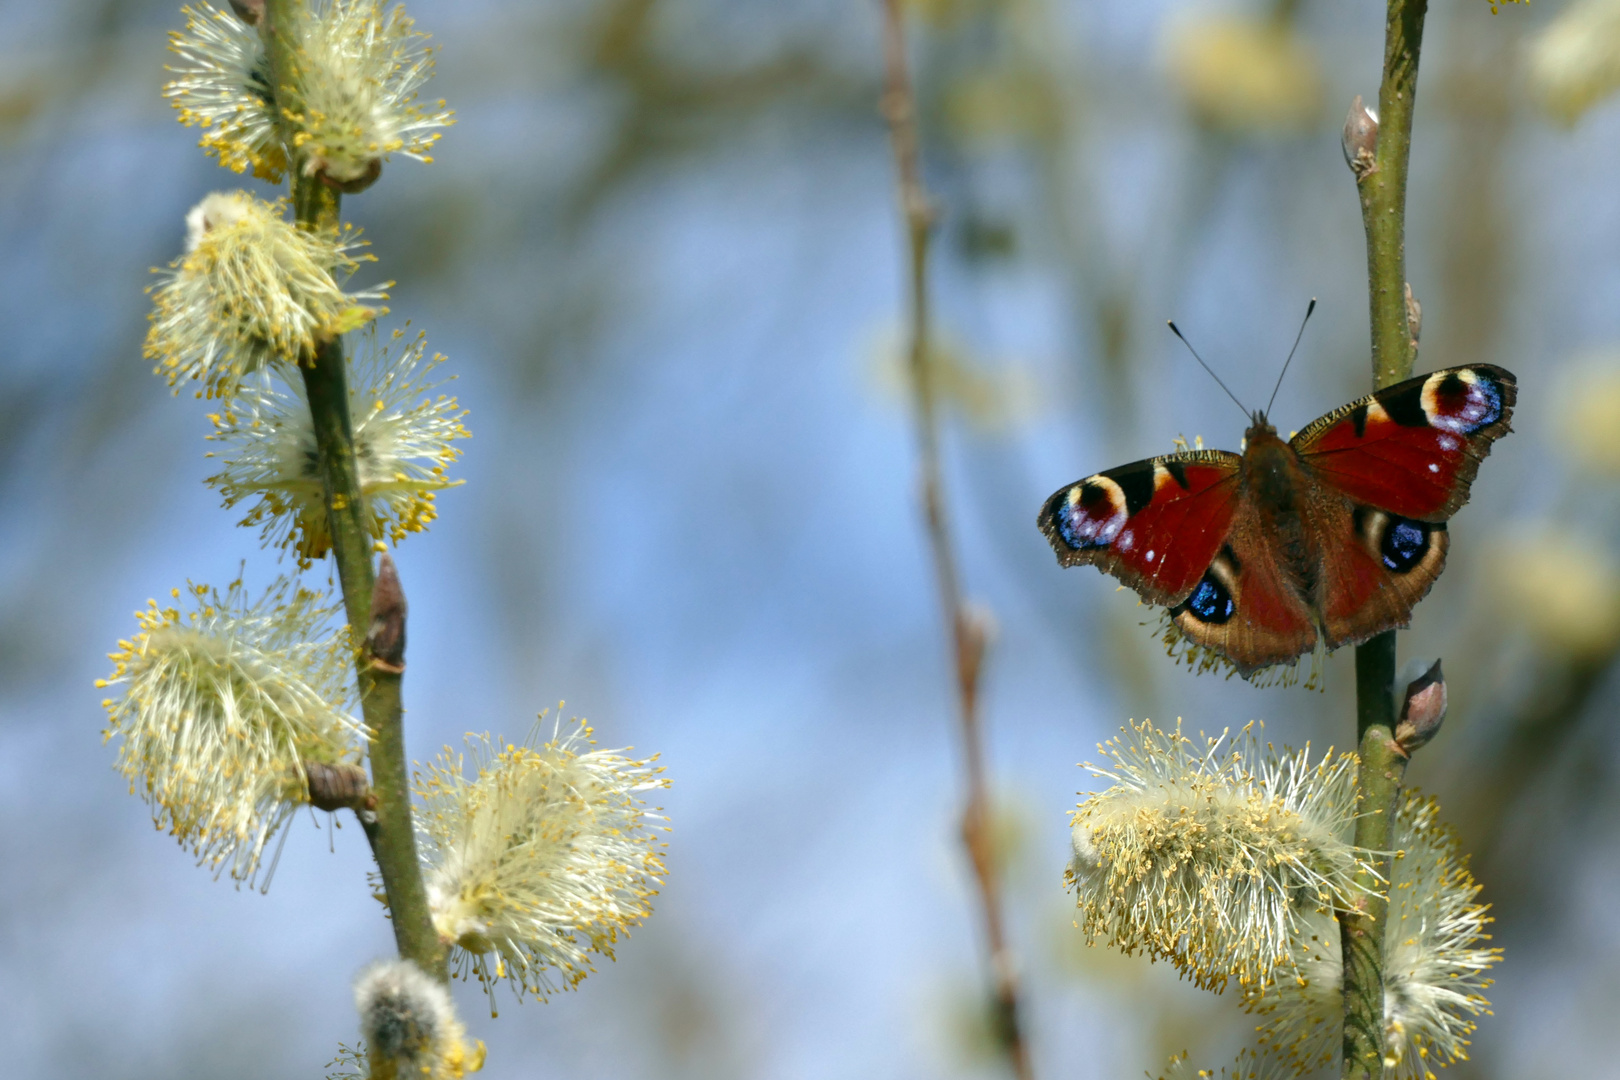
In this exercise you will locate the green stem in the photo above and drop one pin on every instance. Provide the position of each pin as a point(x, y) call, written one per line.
point(392, 835)
point(1383, 765)
point(1383, 194)
point(1378, 782)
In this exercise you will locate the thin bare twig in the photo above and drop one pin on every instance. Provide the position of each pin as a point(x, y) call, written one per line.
point(967, 628)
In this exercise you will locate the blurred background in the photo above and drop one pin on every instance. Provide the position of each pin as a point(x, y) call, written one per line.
point(661, 250)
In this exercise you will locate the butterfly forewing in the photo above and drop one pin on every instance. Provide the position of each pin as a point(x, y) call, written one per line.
point(1413, 449)
point(1155, 524)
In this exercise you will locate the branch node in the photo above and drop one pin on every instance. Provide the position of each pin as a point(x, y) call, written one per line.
point(332, 787)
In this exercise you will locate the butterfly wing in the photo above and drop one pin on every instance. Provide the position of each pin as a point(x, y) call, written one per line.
point(1371, 583)
point(1412, 449)
point(1387, 471)
point(1174, 529)
point(1155, 525)
point(1242, 607)
point(1375, 482)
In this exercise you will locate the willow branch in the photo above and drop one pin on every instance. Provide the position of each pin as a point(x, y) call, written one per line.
point(325, 373)
point(1382, 187)
point(967, 630)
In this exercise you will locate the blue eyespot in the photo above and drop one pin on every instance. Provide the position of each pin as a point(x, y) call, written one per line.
point(1067, 527)
point(1404, 545)
point(1210, 602)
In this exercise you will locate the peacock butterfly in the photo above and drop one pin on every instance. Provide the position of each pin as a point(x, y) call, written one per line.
point(1337, 532)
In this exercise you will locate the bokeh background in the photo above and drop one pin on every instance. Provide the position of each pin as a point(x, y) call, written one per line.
point(661, 250)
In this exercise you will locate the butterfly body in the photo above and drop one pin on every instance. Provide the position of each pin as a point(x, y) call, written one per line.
point(1332, 535)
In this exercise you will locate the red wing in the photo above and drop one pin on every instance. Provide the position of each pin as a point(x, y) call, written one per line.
point(1375, 568)
point(1242, 607)
point(1155, 524)
point(1413, 448)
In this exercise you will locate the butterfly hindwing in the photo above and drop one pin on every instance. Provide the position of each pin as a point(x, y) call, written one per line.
point(1156, 525)
point(1372, 582)
point(1412, 449)
point(1242, 607)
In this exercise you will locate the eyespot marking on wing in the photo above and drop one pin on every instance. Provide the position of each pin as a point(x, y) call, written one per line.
point(1209, 602)
point(1093, 513)
point(1211, 599)
point(1401, 544)
point(1461, 400)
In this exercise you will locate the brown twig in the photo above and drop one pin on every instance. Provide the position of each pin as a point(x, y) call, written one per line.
point(968, 628)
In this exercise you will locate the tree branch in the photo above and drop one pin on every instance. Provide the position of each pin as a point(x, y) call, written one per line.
point(967, 628)
point(325, 373)
point(1382, 187)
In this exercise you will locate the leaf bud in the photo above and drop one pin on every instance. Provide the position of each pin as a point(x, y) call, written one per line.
point(1423, 709)
point(357, 184)
point(249, 11)
point(1360, 139)
point(386, 638)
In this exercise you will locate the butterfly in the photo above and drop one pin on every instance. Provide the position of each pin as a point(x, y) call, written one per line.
point(1333, 535)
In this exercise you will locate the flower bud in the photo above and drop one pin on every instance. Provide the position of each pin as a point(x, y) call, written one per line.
point(410, 1026)
point(386, 638)
point(1360, 139)
point(1422, 710)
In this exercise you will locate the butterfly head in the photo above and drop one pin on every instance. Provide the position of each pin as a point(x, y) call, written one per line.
point(1259, 427)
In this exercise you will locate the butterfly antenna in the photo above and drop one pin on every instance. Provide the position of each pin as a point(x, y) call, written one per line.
point(1291, 352)
point(1177, 331)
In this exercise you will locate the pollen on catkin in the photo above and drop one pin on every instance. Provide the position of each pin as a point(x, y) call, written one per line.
point(251, 289)
point(1250, 1064)
point(1209, 857)
point(360, 69)
point(542, 857)
point(222, 705)
point(410, 1026)
point(1435, 962)
point(404, 442)
point(221, 84)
